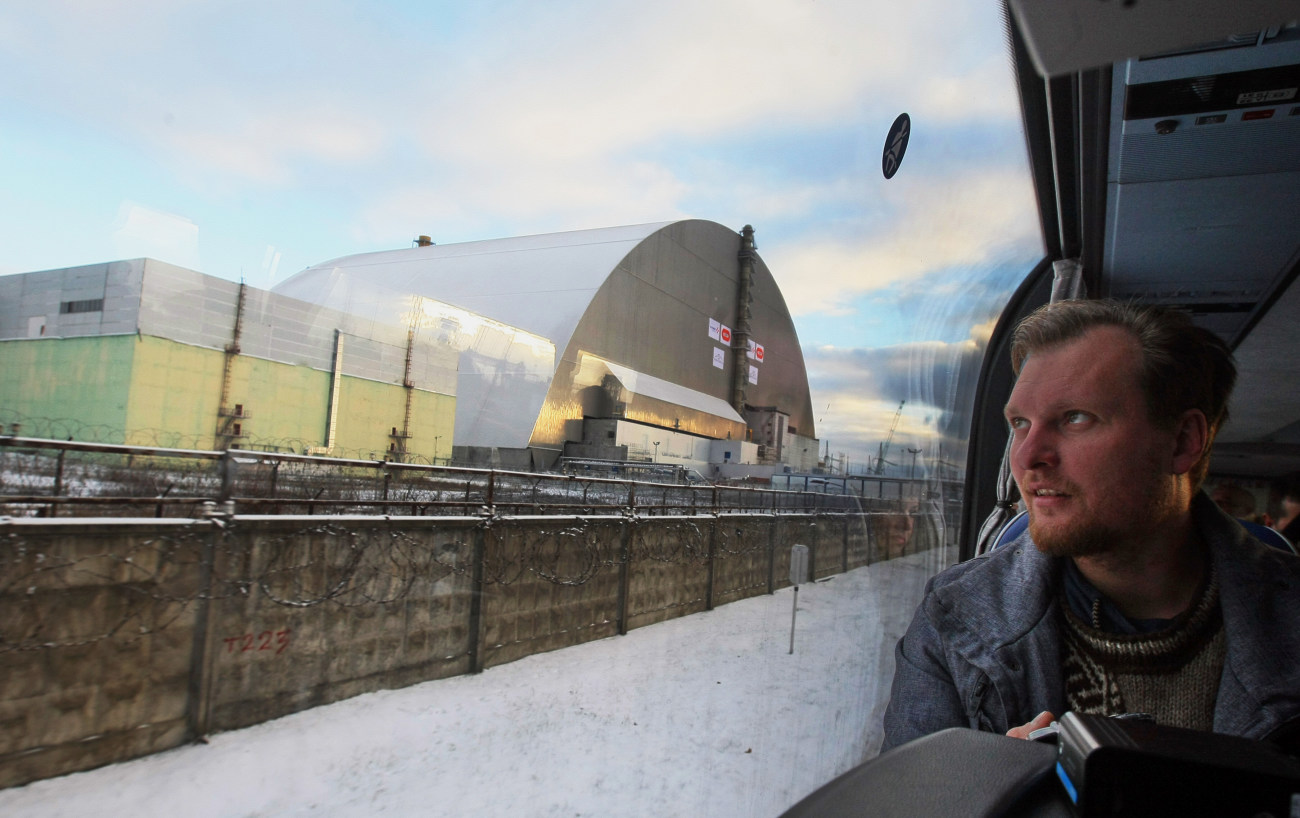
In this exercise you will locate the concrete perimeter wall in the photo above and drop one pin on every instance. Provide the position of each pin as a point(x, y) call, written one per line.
point(123, 638)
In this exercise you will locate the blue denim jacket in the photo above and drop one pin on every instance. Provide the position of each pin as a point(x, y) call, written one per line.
point(984, 648)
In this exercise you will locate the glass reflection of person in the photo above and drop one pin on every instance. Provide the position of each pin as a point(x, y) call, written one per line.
point(894, 533)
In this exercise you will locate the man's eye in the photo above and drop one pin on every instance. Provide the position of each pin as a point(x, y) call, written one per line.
point(1018, 423)
point(1076, 417)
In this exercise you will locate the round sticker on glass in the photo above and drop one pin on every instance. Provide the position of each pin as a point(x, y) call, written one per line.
point(896, 145)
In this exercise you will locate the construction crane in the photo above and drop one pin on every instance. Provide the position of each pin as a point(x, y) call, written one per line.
point(884, 446)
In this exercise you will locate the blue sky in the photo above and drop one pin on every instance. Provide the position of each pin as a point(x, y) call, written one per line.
point(252, 140)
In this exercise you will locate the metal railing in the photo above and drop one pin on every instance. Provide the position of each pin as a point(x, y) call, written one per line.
point(49, 478)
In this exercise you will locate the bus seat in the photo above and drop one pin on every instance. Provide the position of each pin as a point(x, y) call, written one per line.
point(1268, 536)
point(1014, 528)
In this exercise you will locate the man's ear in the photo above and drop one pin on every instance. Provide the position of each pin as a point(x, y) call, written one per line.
point(1191, 439)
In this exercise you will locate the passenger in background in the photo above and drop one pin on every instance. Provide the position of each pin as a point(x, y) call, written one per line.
point(1240, 503)
point(1130, 591)
point(1234, 499)
point(1288, 520)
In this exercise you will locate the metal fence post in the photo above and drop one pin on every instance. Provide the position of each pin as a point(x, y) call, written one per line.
point(813, 542)
point(58, 483)
point(275, 477)
point(845, 517)
point(475, 635)
point(713, 554)
point(201, 658)
point(625, 561)
point(227, 476)
point(771, 554)
point(871, 538)
point(629, 520)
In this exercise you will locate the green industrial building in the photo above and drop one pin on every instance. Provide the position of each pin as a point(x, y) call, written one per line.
point(147, 353)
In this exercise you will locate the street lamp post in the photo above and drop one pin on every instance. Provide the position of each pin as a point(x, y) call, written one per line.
point(436, 438)
point(656, 451)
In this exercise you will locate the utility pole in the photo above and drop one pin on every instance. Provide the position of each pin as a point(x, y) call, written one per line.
point(915, 452)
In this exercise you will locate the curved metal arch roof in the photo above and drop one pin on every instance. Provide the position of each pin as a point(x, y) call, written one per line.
point(541, 284)
point(527, 312)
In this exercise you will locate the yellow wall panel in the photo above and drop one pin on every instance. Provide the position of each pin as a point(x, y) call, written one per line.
point(67, 387)
point(150, 391)
point(175, 389)
point(286, 406)
point(369, 412)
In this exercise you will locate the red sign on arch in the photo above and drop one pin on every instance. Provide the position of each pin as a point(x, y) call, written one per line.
point(724, 333)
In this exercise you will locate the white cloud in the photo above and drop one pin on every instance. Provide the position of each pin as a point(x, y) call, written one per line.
point(979, 92)
point(794, 200)
point(267, 147)
point(555, 89)
point(533, 107)
point(144, 232)
point(982, 333)
point(555, 117)
point(861, 390)
point(969, 218)
point(204, 89)
point(857, 425)
point(535, 198)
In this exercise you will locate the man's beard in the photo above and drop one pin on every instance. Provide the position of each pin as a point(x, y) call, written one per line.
point(1089, 539)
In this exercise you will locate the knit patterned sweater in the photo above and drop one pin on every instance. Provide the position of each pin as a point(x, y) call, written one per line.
point(1171, 674)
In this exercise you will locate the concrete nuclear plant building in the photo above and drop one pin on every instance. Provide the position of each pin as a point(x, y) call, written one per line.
point(663, 344)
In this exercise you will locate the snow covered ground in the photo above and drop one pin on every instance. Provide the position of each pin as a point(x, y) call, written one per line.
point(703, 716)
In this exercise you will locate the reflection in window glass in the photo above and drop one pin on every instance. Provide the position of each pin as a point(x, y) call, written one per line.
point(251, 142)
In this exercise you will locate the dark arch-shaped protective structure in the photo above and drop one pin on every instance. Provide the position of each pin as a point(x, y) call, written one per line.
point(636, 312)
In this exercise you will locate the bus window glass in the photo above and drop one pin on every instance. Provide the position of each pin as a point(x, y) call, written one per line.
point(267, 143)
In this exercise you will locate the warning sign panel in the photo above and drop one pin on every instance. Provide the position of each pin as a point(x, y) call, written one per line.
point(719, 357)
point(715, 329)
point(753, 374)
point(724, 333)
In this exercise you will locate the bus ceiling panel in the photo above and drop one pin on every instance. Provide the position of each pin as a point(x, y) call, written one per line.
point(1204, 179)
point(1254, 461)
point(1221, 243)
point(1155, 150)
point(1265, 406)
point(1065, 36)
point(1247, 63)
point(1217, 114)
